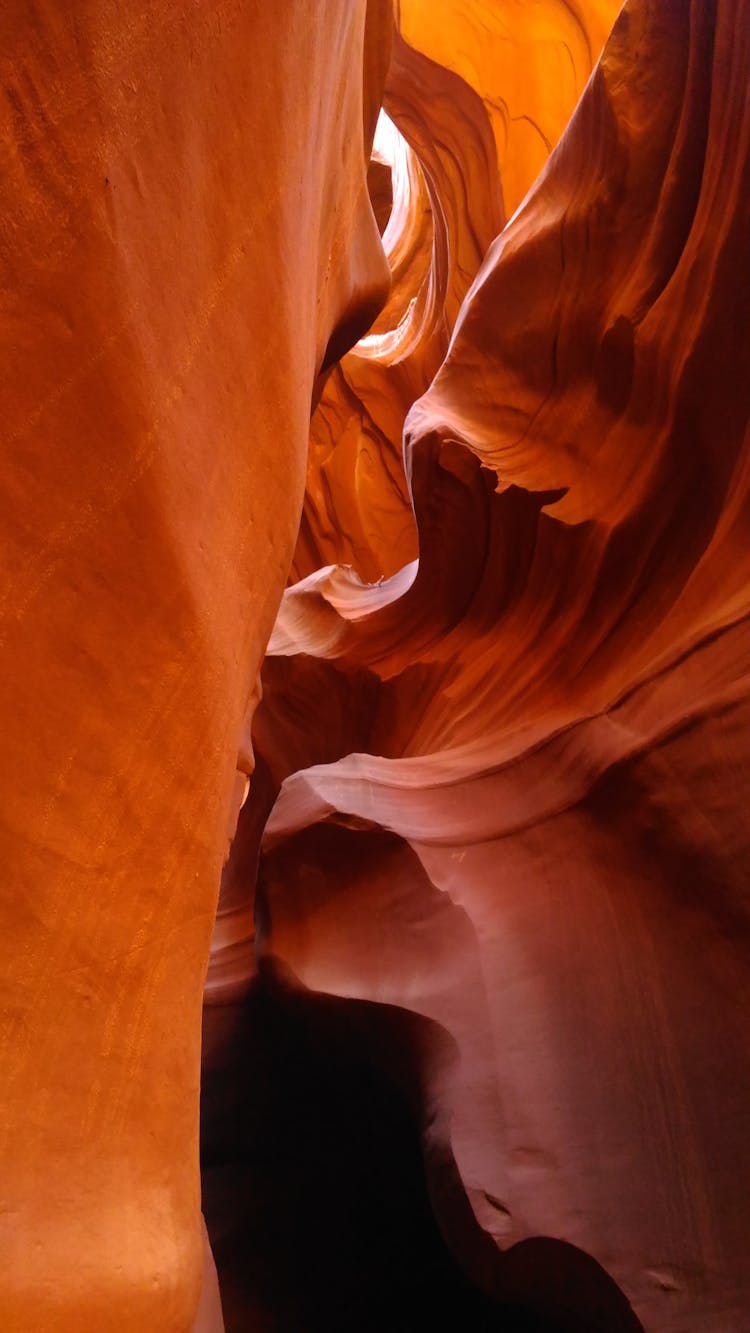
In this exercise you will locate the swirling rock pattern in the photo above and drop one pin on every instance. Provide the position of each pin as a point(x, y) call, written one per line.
point(513, 771)
point(475, 1017)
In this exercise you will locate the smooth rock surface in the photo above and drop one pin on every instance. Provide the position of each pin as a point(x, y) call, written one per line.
point(549, 708)
point(412, 738)
point(187, 239)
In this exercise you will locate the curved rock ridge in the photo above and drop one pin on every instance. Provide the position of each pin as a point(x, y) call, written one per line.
point(528, 62)
point(548, 709)
point(448, 209)
point(187, 243)
point(481, 93)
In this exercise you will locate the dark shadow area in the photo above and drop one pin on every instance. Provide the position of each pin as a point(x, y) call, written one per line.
point(314, 1188)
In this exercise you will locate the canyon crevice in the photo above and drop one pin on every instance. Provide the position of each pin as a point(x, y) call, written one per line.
point(375, 647)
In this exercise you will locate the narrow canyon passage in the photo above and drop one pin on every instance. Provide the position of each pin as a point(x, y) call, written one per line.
point(324, 1177)
point(313, 1166)
point(502, 730)
point(375, 666)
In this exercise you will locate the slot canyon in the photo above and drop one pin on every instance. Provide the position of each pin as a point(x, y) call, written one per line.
point(375, 670)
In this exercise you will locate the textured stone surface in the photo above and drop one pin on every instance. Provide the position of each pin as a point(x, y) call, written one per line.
point(548, 710)
point(186, 238)
point(477, 1006)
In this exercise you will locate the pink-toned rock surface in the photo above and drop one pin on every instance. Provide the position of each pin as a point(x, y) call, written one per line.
point(513, 776)
point(477, 1005)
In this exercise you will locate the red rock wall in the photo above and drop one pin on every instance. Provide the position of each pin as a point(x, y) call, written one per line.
point(513, 776)
point(476, 1016)
point(186, 238)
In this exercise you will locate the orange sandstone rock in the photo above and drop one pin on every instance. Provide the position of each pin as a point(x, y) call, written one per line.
point(187, 241)
point(528, 62)
point(486, 1007)
point(550, 708)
